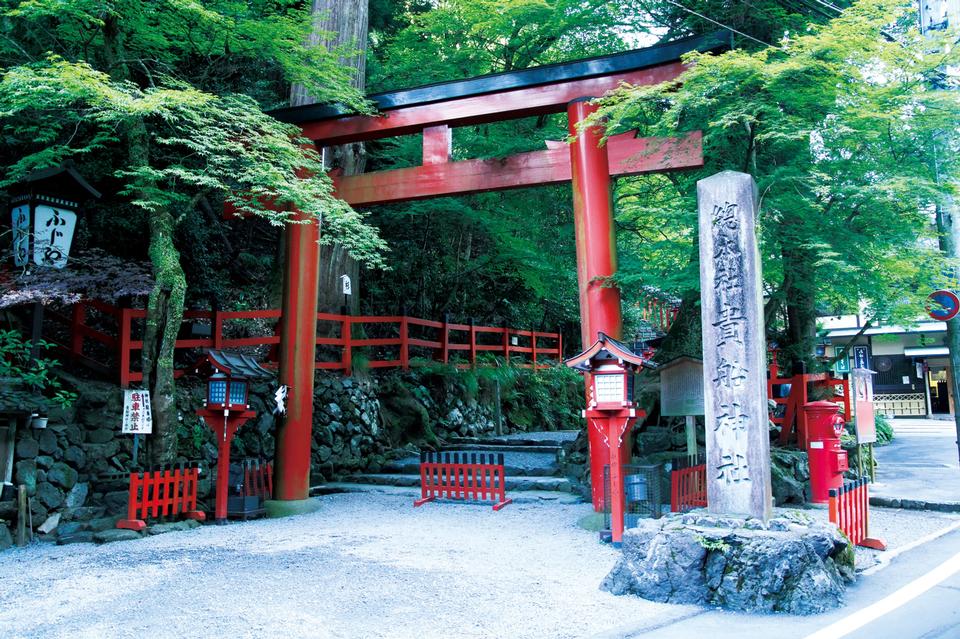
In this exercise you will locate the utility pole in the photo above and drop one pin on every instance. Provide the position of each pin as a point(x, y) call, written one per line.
point(937, 16)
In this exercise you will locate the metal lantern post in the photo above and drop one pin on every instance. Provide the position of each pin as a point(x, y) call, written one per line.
point(226, 409)
point(611, 413)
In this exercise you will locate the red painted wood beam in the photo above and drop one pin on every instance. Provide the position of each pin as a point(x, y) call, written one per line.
point(505, 105)
point(627, 156)
point(437, 144)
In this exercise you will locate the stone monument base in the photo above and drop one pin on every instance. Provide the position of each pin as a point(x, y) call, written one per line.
point(793, 564)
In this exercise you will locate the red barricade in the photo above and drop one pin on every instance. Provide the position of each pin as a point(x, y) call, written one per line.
point(468, 476)
point(850, 511)
point(257, 479)
point(162, 493)
point(688, 484)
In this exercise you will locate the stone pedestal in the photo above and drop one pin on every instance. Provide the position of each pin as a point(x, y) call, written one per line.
point(789, 564)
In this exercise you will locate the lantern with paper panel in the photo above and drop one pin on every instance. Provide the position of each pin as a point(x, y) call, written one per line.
point(611, 365)
point(44, 209)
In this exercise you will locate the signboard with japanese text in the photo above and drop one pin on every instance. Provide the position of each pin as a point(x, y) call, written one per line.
point(861, 357)
point(52, 235)
point(137, 417)
point(842, 365)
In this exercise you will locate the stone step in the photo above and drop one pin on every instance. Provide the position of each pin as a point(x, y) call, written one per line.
point(413, 492)
point(561, 484)
point(535, 438)
point(503, 448)
point(515, 463)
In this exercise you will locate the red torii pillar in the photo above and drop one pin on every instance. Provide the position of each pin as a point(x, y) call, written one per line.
point(298, 328)
point(596, 262)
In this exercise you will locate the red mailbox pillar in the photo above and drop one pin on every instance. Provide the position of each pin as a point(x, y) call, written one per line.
point(827, 459)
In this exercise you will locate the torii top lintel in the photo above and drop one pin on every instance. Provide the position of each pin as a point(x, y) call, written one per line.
point(500, 96)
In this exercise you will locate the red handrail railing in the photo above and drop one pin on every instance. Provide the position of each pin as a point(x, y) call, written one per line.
point(794, 415)
point(402, 339)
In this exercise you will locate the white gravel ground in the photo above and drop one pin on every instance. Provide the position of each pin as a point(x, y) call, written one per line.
point(366, 566)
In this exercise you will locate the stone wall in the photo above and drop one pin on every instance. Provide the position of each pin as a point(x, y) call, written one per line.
point(78, 466)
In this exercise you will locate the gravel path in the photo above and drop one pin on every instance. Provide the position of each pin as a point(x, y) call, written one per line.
point(366, 565)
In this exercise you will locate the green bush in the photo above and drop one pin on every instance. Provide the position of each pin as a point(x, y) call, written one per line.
point(27, 382)
point(884, 430)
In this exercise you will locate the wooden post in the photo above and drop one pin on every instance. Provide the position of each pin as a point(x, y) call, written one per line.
point(506, 345)
point(76, 335)
point(690, 428)
point(216, 326)
point(124, 316)
point(533, 347)
point(445, 339)
point(22, 506)
point(404, 341)
point(473, 344)
point(346, 333)
point(559, 344)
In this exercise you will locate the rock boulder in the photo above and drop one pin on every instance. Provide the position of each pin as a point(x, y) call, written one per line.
point(792, 564)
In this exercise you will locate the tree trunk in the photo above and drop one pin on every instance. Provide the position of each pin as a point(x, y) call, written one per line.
point(165, 303)
point(799, 294)
point(339, 23)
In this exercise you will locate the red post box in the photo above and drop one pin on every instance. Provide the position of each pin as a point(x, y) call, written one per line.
point(827, 460)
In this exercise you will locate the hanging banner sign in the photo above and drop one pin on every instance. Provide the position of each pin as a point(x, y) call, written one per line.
point(842, 365)
point(943, 305)
point(861, 357)
point(137, 416)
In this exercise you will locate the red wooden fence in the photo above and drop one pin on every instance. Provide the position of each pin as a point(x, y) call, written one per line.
point(850, 511)
point(162, 493)
point(407, 338)
point(445, 475)
point(257, 478)
point(688, 484)
point(793, 415)
point(658, 311)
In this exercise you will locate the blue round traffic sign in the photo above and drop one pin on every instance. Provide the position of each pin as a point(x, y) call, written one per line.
point(943, 305)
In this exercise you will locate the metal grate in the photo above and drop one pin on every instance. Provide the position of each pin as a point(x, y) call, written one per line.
point(643, 493)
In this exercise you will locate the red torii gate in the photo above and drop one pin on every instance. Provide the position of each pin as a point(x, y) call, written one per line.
point(432, 110)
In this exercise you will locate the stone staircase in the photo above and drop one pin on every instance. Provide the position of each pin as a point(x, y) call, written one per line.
point(532, 461)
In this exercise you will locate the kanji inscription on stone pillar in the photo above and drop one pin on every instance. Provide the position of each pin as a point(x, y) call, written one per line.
point(734, 347)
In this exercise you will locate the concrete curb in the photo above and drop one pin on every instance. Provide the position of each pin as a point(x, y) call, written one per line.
point(915, 504)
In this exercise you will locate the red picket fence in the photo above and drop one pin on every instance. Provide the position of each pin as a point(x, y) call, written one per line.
point(445, 475)
point(163, 492)
point(793, 414)
point(397, 340)
point(257, 479)
point(850, 511)
point(688, 484)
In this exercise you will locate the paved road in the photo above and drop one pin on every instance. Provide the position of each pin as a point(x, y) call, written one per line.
point(921, 463)
point(933, 614)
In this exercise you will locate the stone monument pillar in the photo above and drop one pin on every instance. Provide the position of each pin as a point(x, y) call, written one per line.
point(734, 348)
